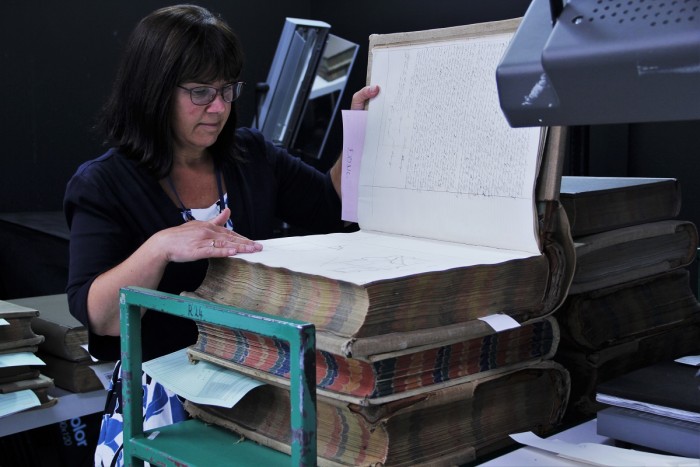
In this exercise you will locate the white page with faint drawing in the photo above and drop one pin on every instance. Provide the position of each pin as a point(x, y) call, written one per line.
point(440, 160)
point(365, 257)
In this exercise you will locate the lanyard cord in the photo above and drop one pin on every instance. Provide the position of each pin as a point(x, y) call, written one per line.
point(187, 213)
point(222, 202)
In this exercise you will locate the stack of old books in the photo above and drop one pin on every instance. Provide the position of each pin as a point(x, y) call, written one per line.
point(22, 386)
point(630, 303)
point(460, 232)
point(60, 348)
point(64, 347)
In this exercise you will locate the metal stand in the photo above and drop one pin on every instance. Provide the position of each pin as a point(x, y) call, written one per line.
point(193, 442)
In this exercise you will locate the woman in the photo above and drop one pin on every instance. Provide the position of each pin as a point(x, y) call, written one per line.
point(180, 184)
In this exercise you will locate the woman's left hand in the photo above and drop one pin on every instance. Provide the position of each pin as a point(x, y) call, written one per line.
point(359, 102)
point(361, 97)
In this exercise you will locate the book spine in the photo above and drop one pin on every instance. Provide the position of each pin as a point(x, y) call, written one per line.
point(392, 375)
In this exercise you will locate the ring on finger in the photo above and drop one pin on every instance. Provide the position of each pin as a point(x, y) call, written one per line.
point(213, 243)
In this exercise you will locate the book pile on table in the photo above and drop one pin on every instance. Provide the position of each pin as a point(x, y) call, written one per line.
point(64, 347)
point(460, 231)
point(630, 303)
point(63, 365)
point(22, 386)
point(657, 406)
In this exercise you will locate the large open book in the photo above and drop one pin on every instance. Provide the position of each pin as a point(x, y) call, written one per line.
point(457, 211)
point(459, 219)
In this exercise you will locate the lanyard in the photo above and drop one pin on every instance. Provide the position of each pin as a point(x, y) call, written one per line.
point(187, 213)
point(222, 202)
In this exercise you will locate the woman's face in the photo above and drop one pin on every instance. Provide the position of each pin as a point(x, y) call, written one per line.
point(196, 127)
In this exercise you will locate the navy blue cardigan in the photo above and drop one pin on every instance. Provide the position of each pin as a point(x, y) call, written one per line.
point(112, 207)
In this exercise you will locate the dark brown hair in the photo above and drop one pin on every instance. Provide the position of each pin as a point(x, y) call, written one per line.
point(170, 46)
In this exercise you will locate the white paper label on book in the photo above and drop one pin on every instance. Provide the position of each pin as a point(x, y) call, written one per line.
point(500, 322)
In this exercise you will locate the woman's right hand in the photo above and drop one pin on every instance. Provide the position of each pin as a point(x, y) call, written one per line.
point(190, 241)
point(196, 240)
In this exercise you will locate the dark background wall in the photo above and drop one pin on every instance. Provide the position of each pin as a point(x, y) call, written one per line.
point(57, 61)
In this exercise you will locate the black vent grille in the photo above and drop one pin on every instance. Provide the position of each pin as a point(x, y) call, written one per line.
point(654, 13)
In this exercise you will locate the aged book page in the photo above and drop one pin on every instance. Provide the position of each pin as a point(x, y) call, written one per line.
point(445, 182)
point(440, 161)
point(364, 257)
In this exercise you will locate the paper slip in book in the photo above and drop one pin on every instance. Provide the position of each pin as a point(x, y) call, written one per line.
point(19, 366)
point(17, 401)
point(199, 382)
point(39, 385)
point(457, 211)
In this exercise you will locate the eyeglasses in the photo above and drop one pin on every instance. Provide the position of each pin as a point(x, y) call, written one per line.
point(205, 95)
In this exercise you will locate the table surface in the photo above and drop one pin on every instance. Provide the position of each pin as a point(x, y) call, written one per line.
point(526, 456)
